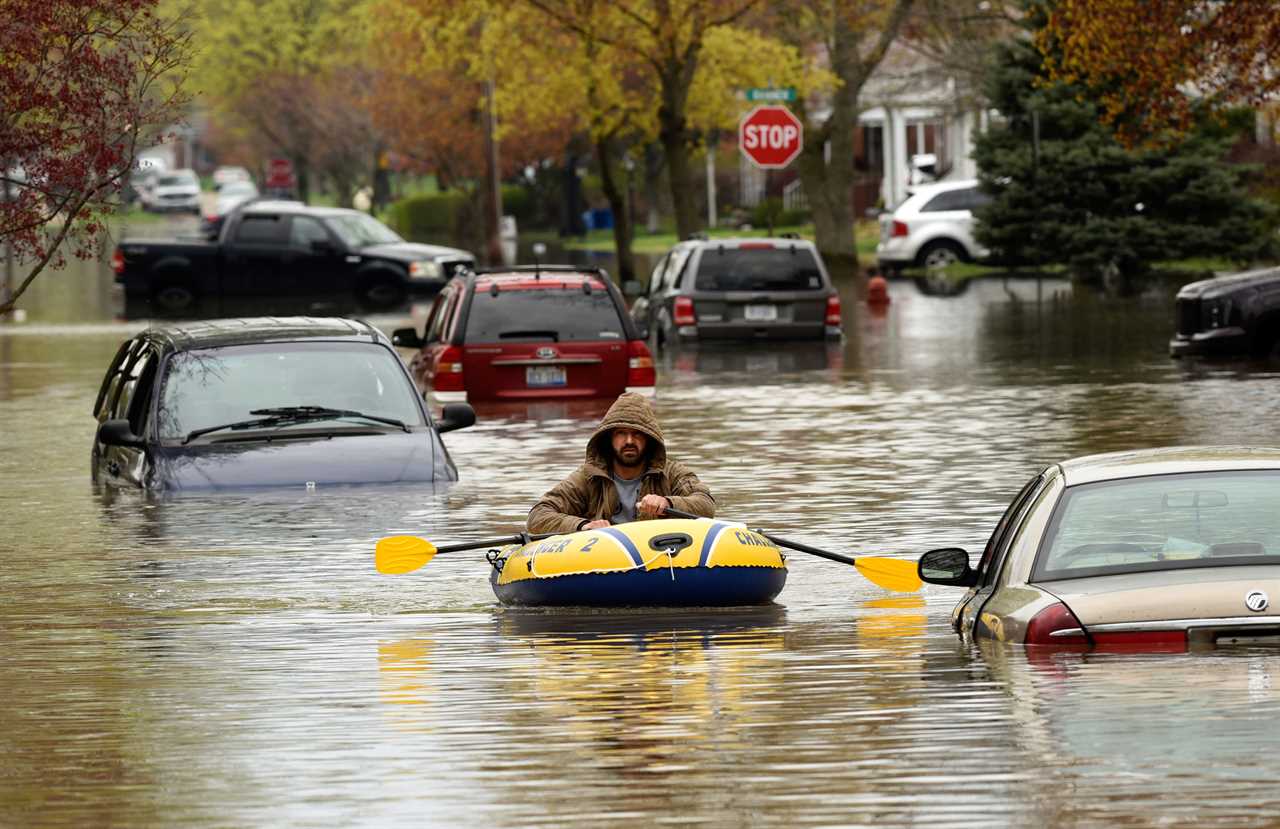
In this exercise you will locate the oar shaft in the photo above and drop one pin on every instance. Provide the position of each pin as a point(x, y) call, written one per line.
point(518, 538)
point(805, 548)
point(781, 542)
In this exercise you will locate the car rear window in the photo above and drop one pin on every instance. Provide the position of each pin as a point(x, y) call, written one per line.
point(560, 314)
point(758, 269)
point(970, 198)
point(1163, 522)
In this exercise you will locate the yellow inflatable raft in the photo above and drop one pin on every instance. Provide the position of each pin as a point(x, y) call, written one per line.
point(660, 563)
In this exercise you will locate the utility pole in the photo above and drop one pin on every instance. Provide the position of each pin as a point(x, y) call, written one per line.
point(711, 184)
point(493, 188)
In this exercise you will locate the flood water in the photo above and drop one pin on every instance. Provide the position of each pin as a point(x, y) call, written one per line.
point(233, 659)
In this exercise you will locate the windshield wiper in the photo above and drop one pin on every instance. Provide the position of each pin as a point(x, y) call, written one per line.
point(284, 415)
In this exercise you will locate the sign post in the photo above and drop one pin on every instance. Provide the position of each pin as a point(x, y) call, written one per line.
point(771, 136)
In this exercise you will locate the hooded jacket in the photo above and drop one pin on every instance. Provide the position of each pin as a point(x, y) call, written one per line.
point(589, 494)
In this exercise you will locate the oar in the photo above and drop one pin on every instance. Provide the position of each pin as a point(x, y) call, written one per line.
point(398, 554)
point(889, 573)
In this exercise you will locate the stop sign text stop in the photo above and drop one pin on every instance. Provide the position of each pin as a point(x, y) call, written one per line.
point(770, 136)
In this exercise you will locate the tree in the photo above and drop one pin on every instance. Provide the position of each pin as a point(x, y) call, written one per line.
point(667, 39)
point(1066, 190)
point(83, 85)
point(852, 37)
point(454, 76)
point(288, 71)
point(1140, 57)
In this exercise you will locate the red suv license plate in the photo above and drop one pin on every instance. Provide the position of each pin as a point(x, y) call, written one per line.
point(542, 376)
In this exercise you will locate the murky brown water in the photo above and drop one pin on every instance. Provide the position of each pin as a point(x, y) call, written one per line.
point(234, 660)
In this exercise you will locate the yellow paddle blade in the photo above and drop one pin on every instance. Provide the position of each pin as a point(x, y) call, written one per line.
point(397, 554)
point(891, 573)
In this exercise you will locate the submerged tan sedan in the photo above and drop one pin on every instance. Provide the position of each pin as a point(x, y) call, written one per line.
point(1159, 549)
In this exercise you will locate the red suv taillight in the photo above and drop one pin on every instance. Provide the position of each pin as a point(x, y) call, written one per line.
point(682, 312)
point(448, 376)
point(900, 229)
point(833, 311)
point(1054, 618)
point(639, 365)
point(117, 261)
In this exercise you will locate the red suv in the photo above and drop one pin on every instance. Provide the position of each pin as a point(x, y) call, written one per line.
point(529, 333)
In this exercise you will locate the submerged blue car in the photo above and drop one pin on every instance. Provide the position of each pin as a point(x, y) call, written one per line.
point(266, 402)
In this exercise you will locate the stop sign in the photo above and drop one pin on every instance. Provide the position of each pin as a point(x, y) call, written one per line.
point(770, 136)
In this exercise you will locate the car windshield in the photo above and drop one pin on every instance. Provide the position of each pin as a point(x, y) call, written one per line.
point(238, 188)
point(559, 314)
point(358, 230)
point(1163, 522)
point(216, 386)
point(770, 268)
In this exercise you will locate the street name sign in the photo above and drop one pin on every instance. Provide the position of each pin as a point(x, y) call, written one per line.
point(786, 93)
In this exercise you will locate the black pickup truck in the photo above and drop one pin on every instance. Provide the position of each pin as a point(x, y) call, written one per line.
point(286, 248)
point(1233, 314)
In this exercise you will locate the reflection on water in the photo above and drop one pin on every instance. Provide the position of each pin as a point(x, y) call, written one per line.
point(234, 659)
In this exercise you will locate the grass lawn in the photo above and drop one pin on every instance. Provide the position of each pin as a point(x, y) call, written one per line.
point(867, 234)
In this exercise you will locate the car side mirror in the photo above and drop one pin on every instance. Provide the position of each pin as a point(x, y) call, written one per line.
point(947, 565)
point(455, 416)
point(322, 246)
point(406, 338)
point(632, 289)
point(117, 433)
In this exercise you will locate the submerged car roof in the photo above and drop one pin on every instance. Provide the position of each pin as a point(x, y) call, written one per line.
point(1167, 461)
point(248, 330)
point(761, 242)
point(531, 280)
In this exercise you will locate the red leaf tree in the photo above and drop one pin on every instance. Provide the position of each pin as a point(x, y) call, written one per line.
point(84, 84)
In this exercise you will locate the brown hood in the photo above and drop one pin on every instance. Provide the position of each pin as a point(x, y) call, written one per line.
point(629, 411)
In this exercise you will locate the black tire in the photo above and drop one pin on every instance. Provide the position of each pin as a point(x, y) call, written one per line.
point(1268, 345)
point(173, 296)
point(941, 254)
point(382, 290)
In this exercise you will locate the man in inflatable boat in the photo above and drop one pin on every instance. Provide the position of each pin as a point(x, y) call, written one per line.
point(627, 476)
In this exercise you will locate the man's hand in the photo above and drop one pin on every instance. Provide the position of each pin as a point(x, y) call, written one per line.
point(595, 525)
point(651, 506)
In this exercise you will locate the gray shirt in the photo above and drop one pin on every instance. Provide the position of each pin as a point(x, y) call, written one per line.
point(628, 494)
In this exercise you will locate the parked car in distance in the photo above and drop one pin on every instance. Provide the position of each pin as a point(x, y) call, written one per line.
point(174, 191)
point(1160, 549)
point(739, 288)
point(529, 333)
point(232, 194)
point(286, 401)
point(286, 248)
point(1232, 314)
point(932, 228)
point(224, 175)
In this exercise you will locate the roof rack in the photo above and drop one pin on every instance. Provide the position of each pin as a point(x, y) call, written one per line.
point(492, 269)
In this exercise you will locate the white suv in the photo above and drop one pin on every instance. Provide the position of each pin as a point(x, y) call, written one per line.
point(933, 228)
